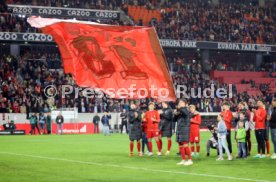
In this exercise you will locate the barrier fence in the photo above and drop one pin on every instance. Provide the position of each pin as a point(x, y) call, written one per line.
point(82, 123)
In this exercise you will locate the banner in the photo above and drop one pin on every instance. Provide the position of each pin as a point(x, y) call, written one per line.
point(26, 37)
point(121, 61)
point(178, 43)
point(68, 128)
point(243, 47)
point(63, 12)
point(165, 43)
point(14, 132)
point(217, 45)
point(74, 128)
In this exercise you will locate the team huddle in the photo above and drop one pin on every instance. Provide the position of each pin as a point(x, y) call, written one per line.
point(157, 124)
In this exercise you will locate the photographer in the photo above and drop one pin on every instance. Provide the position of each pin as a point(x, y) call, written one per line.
point(9, 126)
point(213, 141)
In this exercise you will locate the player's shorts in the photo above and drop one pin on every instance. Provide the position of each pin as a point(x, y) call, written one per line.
point(160, 133)
point(152, 134)
point(194, 136)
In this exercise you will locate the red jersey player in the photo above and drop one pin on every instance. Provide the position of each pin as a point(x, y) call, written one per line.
point(152, 119)
point(227, 117)
point(194, 130)
point(260, 119)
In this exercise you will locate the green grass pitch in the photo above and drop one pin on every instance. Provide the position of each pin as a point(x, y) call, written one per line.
point(105, 158)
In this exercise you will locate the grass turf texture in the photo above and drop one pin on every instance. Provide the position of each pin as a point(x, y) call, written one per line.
point(105, 158)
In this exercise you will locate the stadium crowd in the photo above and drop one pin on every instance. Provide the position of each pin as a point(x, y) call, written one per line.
point(83, 4)
point(200, 20)
point(191, 19)
point(24, 79)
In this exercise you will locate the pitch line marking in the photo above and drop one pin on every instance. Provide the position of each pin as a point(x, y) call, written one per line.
point(133, 168)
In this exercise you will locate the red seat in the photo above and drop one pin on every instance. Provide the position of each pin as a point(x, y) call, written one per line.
point(236, 78)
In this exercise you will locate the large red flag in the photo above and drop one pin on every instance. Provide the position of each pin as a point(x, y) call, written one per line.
point(111, 57)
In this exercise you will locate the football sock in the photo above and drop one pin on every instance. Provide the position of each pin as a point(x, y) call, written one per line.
point(182, 152)
point(192, 148)
point(267, 146)
point(188, 152)
point(139, 146)
point(161, 143)
point(169, 145)
point(150, 146)
point(131, 147)
point(158, 145)
point(198, 148)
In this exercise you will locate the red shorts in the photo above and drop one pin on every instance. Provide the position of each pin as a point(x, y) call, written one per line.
point(160, 133)
point(152, 134)
point(194, 136)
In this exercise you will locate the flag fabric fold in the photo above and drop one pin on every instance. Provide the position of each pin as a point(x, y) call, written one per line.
point(111, 57)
